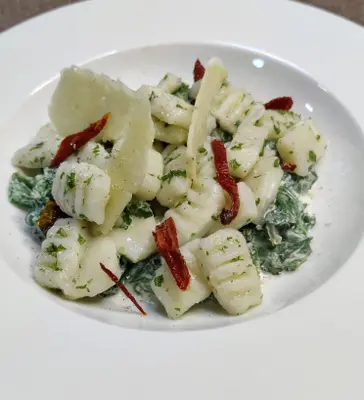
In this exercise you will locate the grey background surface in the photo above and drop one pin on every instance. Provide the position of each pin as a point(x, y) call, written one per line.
point(15, 11)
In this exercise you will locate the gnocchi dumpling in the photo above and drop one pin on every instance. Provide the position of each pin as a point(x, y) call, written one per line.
point(82, 191)
point(170, 109)
point(228, 267)
point(264, 180)
point(170, 83)
point(152, 181)
point(175, 301)
point(194, 216)
point(135, 243)
point(69, 260)
point(167, 133)
point(92, 153)
point(40, 151)
point(232, 106)
point(205, 165)
point(302, 146)
point(247, 211)
point(243, 151)
point(278, 122)
point(174, 182)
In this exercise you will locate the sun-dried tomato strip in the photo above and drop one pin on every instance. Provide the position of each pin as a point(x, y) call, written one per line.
point(198, 71)
point(72, 143)
point(49, 215)
point(226, 181)
point(288, 167)
point(166, 239)
point(280, 104)
point(115, 279)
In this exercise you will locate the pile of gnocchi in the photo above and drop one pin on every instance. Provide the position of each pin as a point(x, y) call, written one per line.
point(113, 146)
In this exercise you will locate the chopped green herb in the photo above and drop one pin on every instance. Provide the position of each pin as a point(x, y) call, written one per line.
point(152, 96)
point(222, 135)
point(270, 144)
point(177, 309)
point(237, 123)
point(135, 208)
point(276, 163)
point(318, 137)
point(96, 150)
point(139, 208)
point(173, 156)
point(165, 77)
point(215, 217)
point(202, 150)
point(70, 182)
point(237, 146)
point(38, 160)
point(312, 156)
point(83, 217)
point(81, 240)
point(82, 287)
point(222, 248)
point(179, 106)
point(277, 130)
point(54, 266)
point(257, 201)
point(37, 146)
point(61, 233)
point(233, 164)
point(172, 174)
point(53, 249)
point(182, 92)
point(88, 180)
point(184, 198)
point(158, 280)
point(235, 259)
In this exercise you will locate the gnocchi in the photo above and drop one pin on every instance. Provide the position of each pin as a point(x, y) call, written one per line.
point(228, 267)
point(69, 260)
point(175, 301)
point(82, 191)
point(302, 146)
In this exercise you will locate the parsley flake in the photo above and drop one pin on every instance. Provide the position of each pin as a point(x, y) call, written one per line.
point(70, 182)
point(237, 146)
point(53, 249)
point(81, 240)
point(61, 233)
point(158, 280)
point(172, 174)
point(312, 156)
point(233, 164)
point(37, 146)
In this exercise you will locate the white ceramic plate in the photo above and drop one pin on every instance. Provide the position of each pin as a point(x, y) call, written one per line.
point(309, 350)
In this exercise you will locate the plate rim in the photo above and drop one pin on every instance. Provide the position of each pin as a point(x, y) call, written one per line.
point(33, 309)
